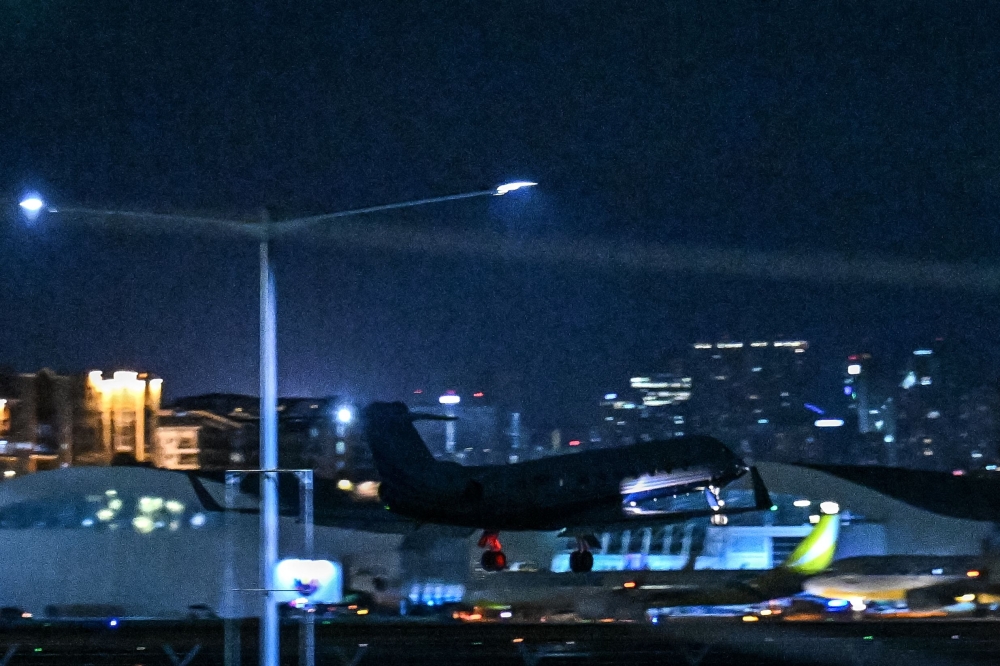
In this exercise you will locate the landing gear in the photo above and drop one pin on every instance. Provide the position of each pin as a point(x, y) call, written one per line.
point(581, 560)
point(494, 558)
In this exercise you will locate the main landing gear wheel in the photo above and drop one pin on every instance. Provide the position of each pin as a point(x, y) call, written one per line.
point(581, 560)
point(493, 559)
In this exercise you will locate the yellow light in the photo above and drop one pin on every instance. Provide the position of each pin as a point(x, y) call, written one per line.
point(972, 574)
point(150, 504)
point(105, 514)
point(173, 506)
point(363, 611)
point(110, 493)
point(750, 618)
point(965, 598)
point(629, 584)
point(345, 485)
point(475, 616)
point(142, 524)
point(766, 611)
point(115, 504)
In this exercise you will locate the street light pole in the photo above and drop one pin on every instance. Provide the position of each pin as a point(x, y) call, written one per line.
point(269, 640)
point(264, 232)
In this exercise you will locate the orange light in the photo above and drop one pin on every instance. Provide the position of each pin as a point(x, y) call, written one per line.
point(363, 611)
point(629, 584)
point(477, 394)
point(972, 574)
point(352, 607)
point(518, 640)
point(475, 616)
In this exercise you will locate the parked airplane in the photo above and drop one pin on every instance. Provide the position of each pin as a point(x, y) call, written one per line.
point(711, 587)
point(925, 582)
point(535, 595)
point(579, 493)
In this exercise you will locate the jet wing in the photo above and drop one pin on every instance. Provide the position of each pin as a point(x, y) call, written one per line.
point(589, 526)
point(342, 512)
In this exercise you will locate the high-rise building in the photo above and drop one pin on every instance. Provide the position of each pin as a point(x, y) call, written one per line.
point(870, 410)
point(48, 419)
point(752, 395)
point(923, 420)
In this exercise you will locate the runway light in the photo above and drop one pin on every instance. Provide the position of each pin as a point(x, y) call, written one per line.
point(972, 574)
point(629, 585)
point(513, 187)
point(751, 618)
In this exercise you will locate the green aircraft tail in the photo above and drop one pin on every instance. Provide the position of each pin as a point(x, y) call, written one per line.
point(815, 552)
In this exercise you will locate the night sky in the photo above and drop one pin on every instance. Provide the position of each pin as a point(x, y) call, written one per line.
point(815, 133)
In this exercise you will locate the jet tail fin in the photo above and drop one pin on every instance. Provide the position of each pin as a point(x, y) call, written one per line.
point(815, 552)
point(395, 443)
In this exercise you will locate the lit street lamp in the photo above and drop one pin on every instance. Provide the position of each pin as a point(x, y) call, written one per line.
point(264, 231)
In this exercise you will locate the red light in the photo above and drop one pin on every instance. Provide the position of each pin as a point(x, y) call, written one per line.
point(852, 357)
point(477, 394)
point(958, 472)
point(449, 392)
point(574, 442)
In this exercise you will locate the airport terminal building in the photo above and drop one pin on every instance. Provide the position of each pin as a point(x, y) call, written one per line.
point(144, 541)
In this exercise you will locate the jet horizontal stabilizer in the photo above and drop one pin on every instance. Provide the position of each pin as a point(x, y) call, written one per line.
point(421, 416)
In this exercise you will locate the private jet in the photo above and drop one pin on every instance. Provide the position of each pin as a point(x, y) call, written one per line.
point(579, 493)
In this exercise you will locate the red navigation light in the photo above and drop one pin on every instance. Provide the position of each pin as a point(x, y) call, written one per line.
point(852, 357)
point(574, 442)
point(477, 394)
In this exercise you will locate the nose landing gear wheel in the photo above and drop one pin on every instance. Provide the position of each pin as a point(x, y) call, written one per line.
point(494, 560)
point(581, 561)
